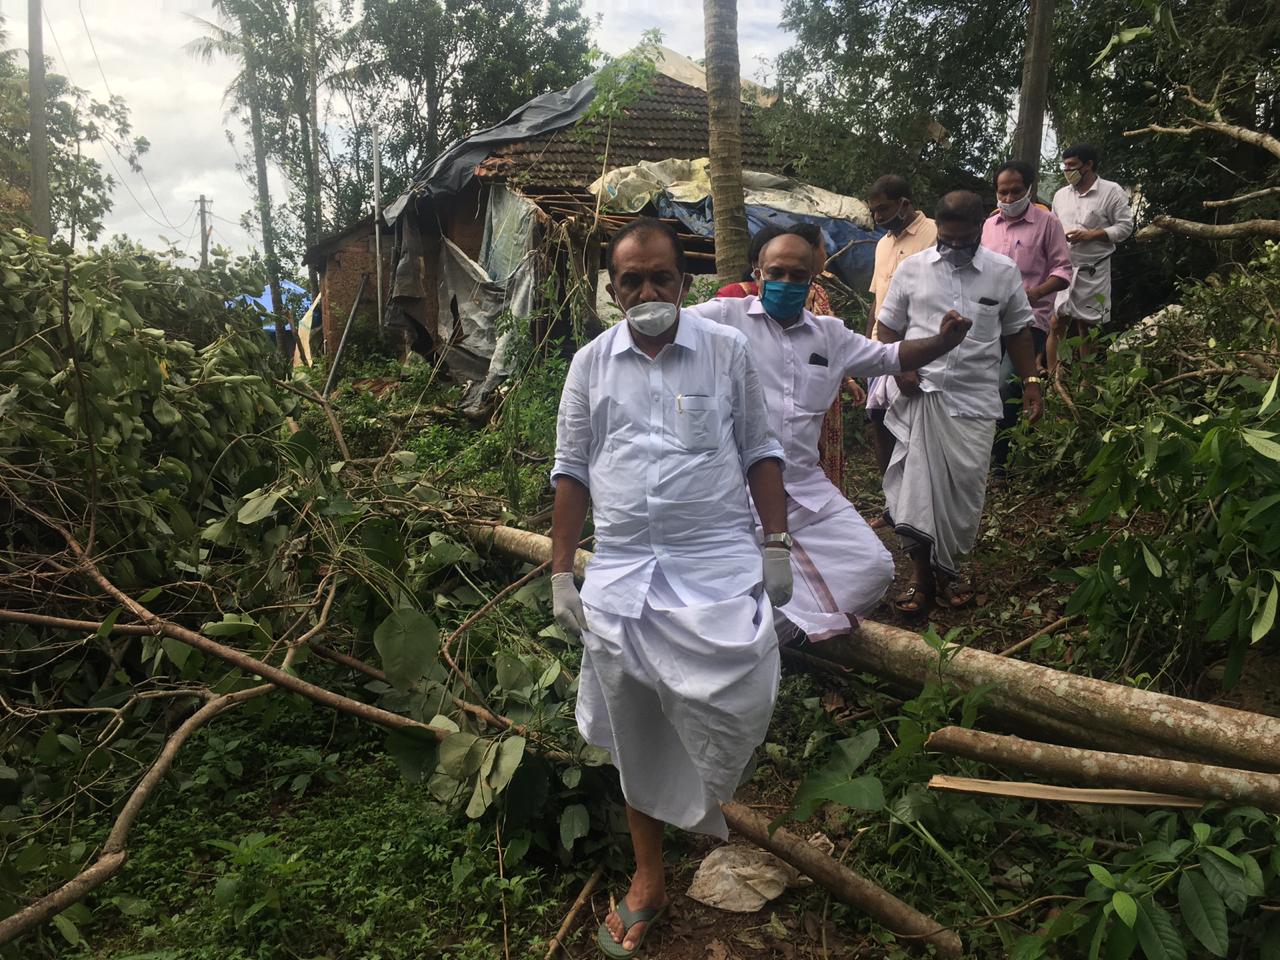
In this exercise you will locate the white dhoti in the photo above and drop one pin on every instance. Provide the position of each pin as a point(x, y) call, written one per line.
point(936, 484)
point(840, 569)
point(1088, 298)
point(680, 697)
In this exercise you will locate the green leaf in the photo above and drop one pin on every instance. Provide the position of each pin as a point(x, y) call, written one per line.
point(1102, 875)
point(176, 650)
point(834, 781)
point(408, 643)
point(1121, 942)
point(1152, 563)
point(166, 413)
point(481, 798)
point(258, 508)
point(415, 752)
point(1125, 906)
point(1259, 442)
point(1266, 617)
point(1203, 912)
point(67, 927)
point(1269, 395)
point(575, 823)
point(510, 753)
point(233, 626)
point(460, 754)
point(1157, 935)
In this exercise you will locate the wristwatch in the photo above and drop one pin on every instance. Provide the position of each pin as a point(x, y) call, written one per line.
point(779, 540)
point(1038, 381)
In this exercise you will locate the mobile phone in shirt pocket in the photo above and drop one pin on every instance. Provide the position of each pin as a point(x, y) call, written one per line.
point(697, 421)
point(985, 314)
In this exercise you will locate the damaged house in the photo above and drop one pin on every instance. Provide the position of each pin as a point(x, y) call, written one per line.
point(512, 221)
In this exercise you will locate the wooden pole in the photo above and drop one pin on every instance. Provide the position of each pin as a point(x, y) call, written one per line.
point(1033, 94)
point(38, 137)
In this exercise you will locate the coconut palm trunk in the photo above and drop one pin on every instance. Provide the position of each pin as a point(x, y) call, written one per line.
point(724, 123)
point(283, 340)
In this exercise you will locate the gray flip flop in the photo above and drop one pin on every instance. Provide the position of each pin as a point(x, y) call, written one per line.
point(648, 916)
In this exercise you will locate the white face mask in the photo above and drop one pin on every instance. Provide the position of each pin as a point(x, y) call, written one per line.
point(652, 319)
point(1012, 211)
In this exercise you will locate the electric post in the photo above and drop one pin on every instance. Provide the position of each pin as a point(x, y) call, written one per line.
point(204, 233)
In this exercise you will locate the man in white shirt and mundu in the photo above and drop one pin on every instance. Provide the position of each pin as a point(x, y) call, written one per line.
point(840, 567)
point(945, 417)
point(1097, 215)
point(662, 431)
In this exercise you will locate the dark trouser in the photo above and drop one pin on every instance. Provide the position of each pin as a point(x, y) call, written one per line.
point(1011, 394)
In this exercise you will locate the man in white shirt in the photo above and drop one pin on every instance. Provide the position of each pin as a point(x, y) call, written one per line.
point(1097, 215)
point(945, 417)
point(840, 567)
point(662, 430)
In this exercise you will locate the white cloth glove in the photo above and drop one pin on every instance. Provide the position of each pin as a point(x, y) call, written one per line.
point(566, 604)
point(777, 574)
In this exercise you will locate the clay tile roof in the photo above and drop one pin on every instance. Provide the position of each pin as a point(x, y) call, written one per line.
point(669, 121)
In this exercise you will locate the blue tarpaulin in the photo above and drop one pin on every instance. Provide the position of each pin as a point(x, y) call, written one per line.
point(296, 299)
point(853, 266)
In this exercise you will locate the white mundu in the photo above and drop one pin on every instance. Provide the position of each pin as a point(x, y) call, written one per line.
point(840, 567)
point(1104, 206)
point(680, 660)
point(936, 484)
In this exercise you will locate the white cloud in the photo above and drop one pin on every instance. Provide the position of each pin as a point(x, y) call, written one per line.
point(177, 101)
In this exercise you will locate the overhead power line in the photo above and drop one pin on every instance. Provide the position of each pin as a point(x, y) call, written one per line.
point(164, 216)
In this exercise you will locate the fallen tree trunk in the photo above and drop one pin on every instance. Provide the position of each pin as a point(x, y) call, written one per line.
point(1139, 719)
point(1078, 708)
point(1096, 768)
point(524, 544)
point(844, 884)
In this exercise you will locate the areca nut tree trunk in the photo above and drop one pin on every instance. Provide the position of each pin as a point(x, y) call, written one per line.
point(724, 134)
point(283, 341)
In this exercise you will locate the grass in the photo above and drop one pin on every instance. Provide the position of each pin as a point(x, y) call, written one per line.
point(368, 867)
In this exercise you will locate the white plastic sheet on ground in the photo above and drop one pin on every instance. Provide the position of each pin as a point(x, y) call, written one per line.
point(742, 879)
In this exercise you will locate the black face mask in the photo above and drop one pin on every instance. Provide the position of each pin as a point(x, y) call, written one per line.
point(895, 223)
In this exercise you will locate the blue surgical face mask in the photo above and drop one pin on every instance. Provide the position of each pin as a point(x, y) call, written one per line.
point(783, 299)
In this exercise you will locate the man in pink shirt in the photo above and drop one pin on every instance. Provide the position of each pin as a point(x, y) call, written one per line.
point(1032, 238)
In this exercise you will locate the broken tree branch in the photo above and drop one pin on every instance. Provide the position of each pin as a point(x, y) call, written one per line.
point(1112, 769)
point(583, 896)
point(844, 884)
point(114, 851)
point(1023, 644)
point(1245, 229)
point(1242, 198)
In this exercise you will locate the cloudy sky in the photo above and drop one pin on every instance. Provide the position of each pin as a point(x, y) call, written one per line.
point(177, 101)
